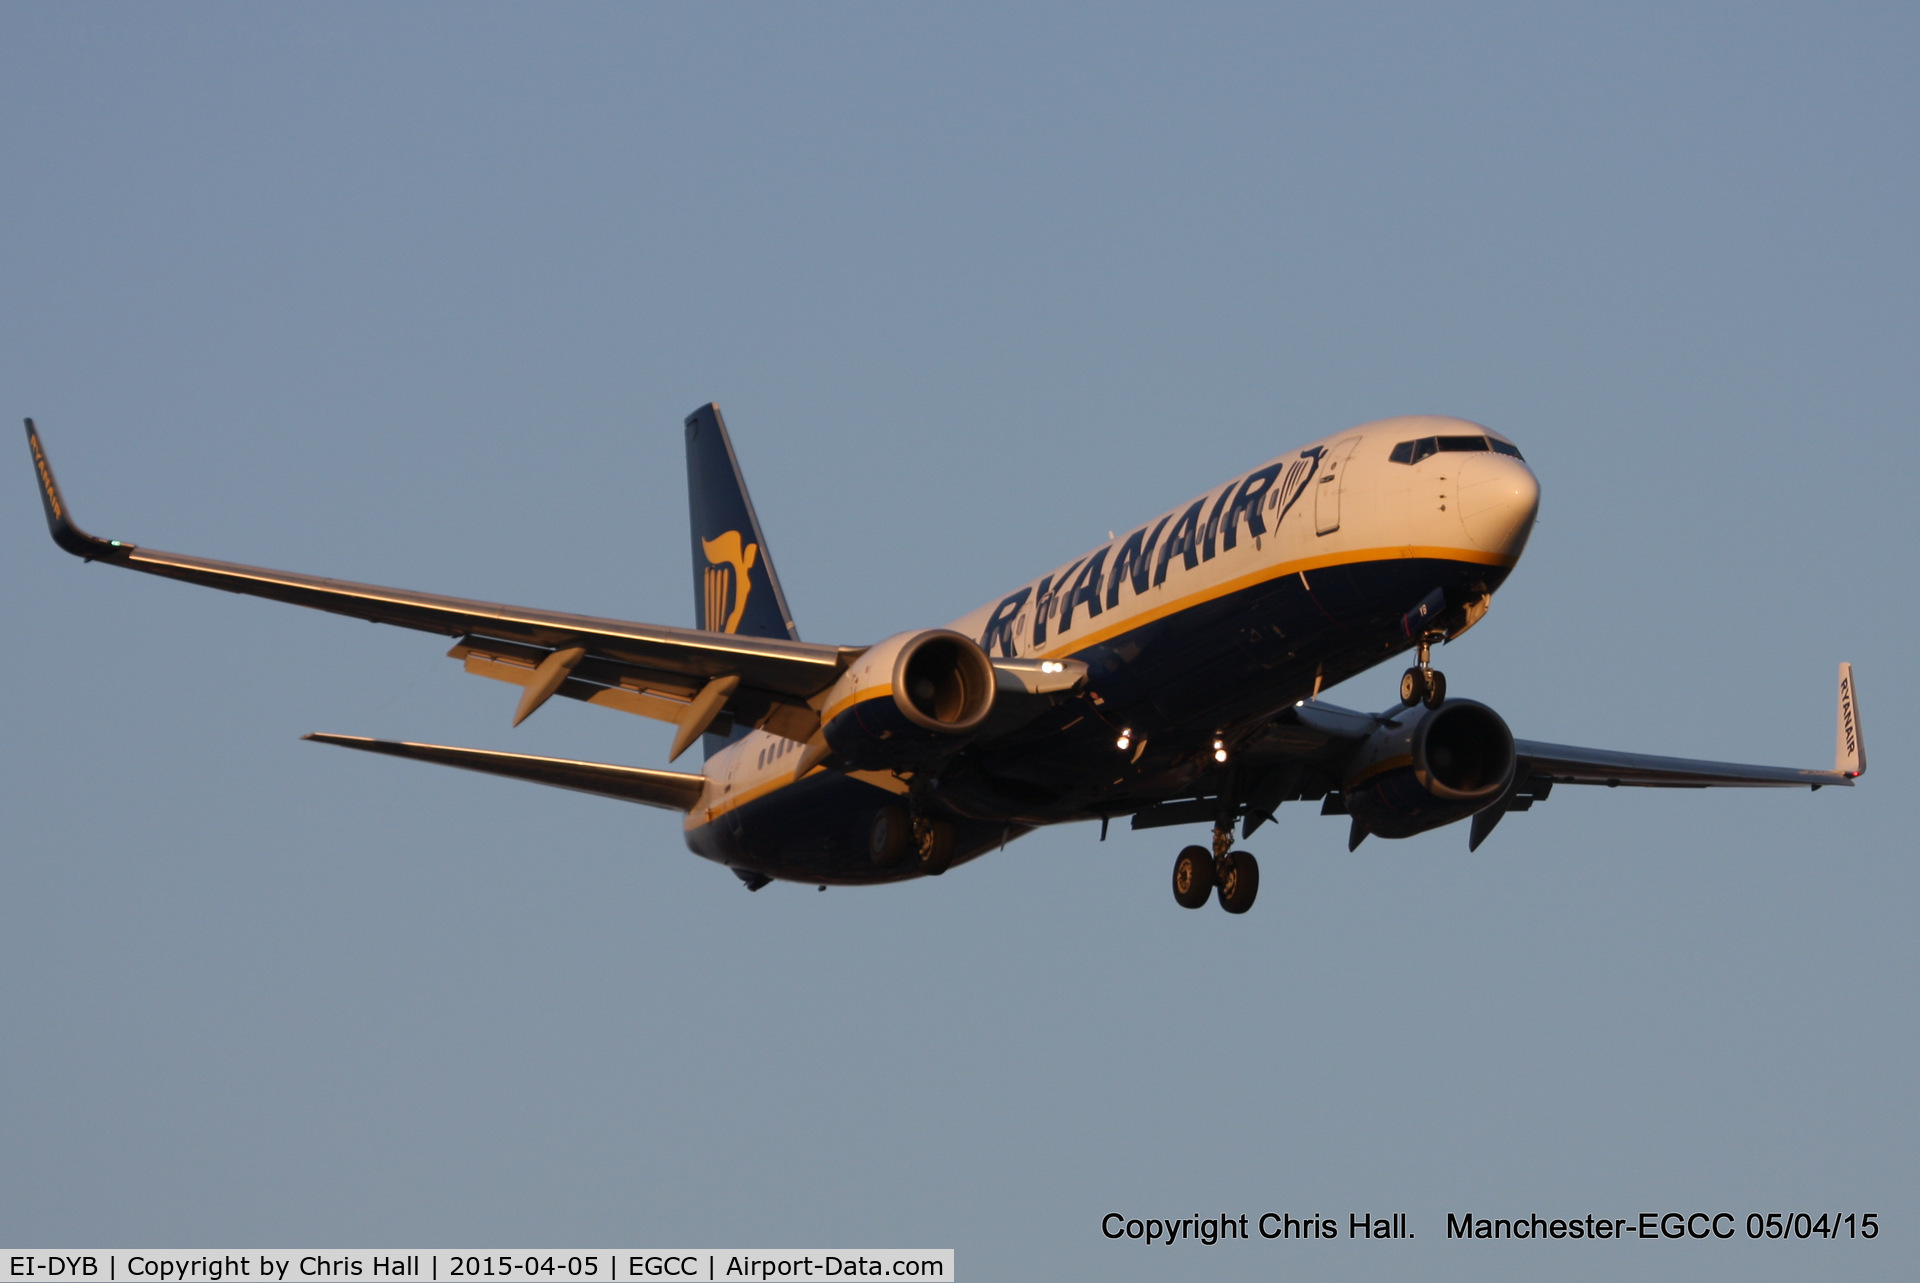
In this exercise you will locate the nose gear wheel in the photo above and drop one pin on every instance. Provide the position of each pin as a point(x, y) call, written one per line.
point(1423, 684)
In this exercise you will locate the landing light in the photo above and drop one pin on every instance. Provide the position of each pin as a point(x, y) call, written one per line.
point(1219, 750)
point(1048, 666)
point(1125, 741)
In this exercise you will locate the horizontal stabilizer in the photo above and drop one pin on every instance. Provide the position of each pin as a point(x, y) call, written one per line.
point(670, 789)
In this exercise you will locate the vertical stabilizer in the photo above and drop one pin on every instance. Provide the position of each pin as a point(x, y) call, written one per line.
point(1850, 747)
point(735, 587)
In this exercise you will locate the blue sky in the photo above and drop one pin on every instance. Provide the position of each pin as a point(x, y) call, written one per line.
point(420, 296)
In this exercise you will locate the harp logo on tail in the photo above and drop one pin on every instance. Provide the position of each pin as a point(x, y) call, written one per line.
point(727, 582)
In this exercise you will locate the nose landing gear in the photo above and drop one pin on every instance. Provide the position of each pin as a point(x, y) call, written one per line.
point(1198, 873)
point(1421, 683)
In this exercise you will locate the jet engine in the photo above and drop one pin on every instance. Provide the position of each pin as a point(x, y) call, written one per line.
point(1429, 767)
point(912, 697)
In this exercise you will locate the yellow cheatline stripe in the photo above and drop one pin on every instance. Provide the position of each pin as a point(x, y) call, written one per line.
point(858, 697)
point(1305, 564)
point(737, 800)
point(734, 801)
point(1071, 644)
point(1379, 768)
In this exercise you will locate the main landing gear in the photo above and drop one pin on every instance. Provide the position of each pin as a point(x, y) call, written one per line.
point(1421, 683)
point(933, 844)
point(896, 833)
point(1198, 873)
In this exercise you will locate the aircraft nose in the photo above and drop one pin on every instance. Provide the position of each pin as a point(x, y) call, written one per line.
point(1499, 497)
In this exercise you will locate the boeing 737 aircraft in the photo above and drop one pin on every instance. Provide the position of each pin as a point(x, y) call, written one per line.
point(1170, 676)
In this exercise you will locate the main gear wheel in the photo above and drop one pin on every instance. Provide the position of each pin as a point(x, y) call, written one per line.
point(1238, 879)
point(1193, 877)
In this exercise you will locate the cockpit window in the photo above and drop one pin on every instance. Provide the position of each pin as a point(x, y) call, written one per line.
point(1502, 447)
point(1414, 451)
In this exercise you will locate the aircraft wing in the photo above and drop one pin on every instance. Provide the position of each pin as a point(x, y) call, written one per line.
point(1326, 733)
point(1303, 755)
point(1564, 764)
point(1538, 767)
point(656, 671)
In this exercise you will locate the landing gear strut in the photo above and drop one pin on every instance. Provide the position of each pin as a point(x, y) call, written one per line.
point(1422, 683)
point(1198, 872)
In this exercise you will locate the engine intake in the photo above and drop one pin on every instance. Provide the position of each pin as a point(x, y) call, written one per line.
point(908, 699)
point(943, 682)
point(1463, 751)
point(1430, 767)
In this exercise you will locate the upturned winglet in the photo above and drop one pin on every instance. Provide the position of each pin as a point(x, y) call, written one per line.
point(59, 517)
point(1850, 744)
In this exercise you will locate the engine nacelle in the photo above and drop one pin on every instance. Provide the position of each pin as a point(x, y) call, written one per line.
point(909, 698)
point(1430, 767)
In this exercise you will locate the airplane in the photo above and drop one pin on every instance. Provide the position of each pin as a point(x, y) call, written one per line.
point(1170, 676)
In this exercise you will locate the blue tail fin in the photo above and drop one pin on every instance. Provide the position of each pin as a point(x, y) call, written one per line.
point(735, 588)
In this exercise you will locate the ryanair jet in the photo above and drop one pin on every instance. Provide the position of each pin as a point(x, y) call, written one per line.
point(1171, 676)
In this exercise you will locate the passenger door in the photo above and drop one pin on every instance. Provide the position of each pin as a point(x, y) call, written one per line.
point(1326, 491)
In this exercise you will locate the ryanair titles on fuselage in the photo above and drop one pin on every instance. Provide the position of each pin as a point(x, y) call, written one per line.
point(1043, 616)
